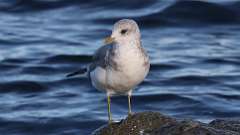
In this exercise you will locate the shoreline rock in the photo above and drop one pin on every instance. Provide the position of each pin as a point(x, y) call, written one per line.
point(154, 123)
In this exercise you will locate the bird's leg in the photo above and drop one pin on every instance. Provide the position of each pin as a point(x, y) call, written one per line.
point(129, 103)
point(109, 109)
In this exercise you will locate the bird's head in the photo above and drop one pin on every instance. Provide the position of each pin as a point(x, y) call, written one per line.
point(125, 30)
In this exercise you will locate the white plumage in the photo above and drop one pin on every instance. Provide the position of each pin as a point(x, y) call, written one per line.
point(124, 64)
point(120, 65)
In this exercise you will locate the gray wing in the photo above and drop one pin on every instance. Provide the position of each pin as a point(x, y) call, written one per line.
point(101, 57)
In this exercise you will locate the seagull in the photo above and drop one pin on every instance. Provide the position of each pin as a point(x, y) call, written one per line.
point(119, 65)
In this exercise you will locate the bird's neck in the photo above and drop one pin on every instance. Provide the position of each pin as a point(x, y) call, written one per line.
point(129, 50)
point(127, 45)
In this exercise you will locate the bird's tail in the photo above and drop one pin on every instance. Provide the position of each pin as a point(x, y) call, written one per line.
point(78, 72)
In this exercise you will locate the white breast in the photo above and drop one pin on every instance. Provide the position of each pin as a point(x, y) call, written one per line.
point(133, 68)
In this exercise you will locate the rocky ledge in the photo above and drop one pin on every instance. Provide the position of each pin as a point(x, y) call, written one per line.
point(154, 123)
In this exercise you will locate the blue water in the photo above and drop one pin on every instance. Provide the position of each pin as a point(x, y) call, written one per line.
point(194, 49)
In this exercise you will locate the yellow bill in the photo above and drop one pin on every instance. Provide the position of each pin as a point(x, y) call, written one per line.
point(108, 40)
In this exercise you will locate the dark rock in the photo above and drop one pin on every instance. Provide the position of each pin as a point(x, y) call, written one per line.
point(230, 125)
point(154, 123)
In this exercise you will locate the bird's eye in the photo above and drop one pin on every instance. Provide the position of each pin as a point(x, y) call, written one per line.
point(124, 31)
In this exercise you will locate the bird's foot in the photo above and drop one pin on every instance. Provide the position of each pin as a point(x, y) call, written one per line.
point(130, 114)
point(110, 122)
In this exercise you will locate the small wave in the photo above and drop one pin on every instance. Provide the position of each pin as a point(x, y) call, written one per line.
point(235, 6)
point(185, 13)
point(191, 80)
point(22, 86)
point(32, 5)
point(193, 12)
point(201, 11)
point(226, 97)
point(68, 59)
point(151, 20)
point(163, 97)
point(17, 61)
point(40, 70)
point(12, 64)
point(43, 125)
point(36, 5)
point(7, 67)
point(163, 67)
point(222, 61)
point(75, 81)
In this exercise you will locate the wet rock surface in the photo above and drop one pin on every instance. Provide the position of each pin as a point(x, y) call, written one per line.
point(154, 123)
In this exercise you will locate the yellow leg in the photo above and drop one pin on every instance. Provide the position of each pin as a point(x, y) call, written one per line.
point(109, 109)
point(129, 104)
